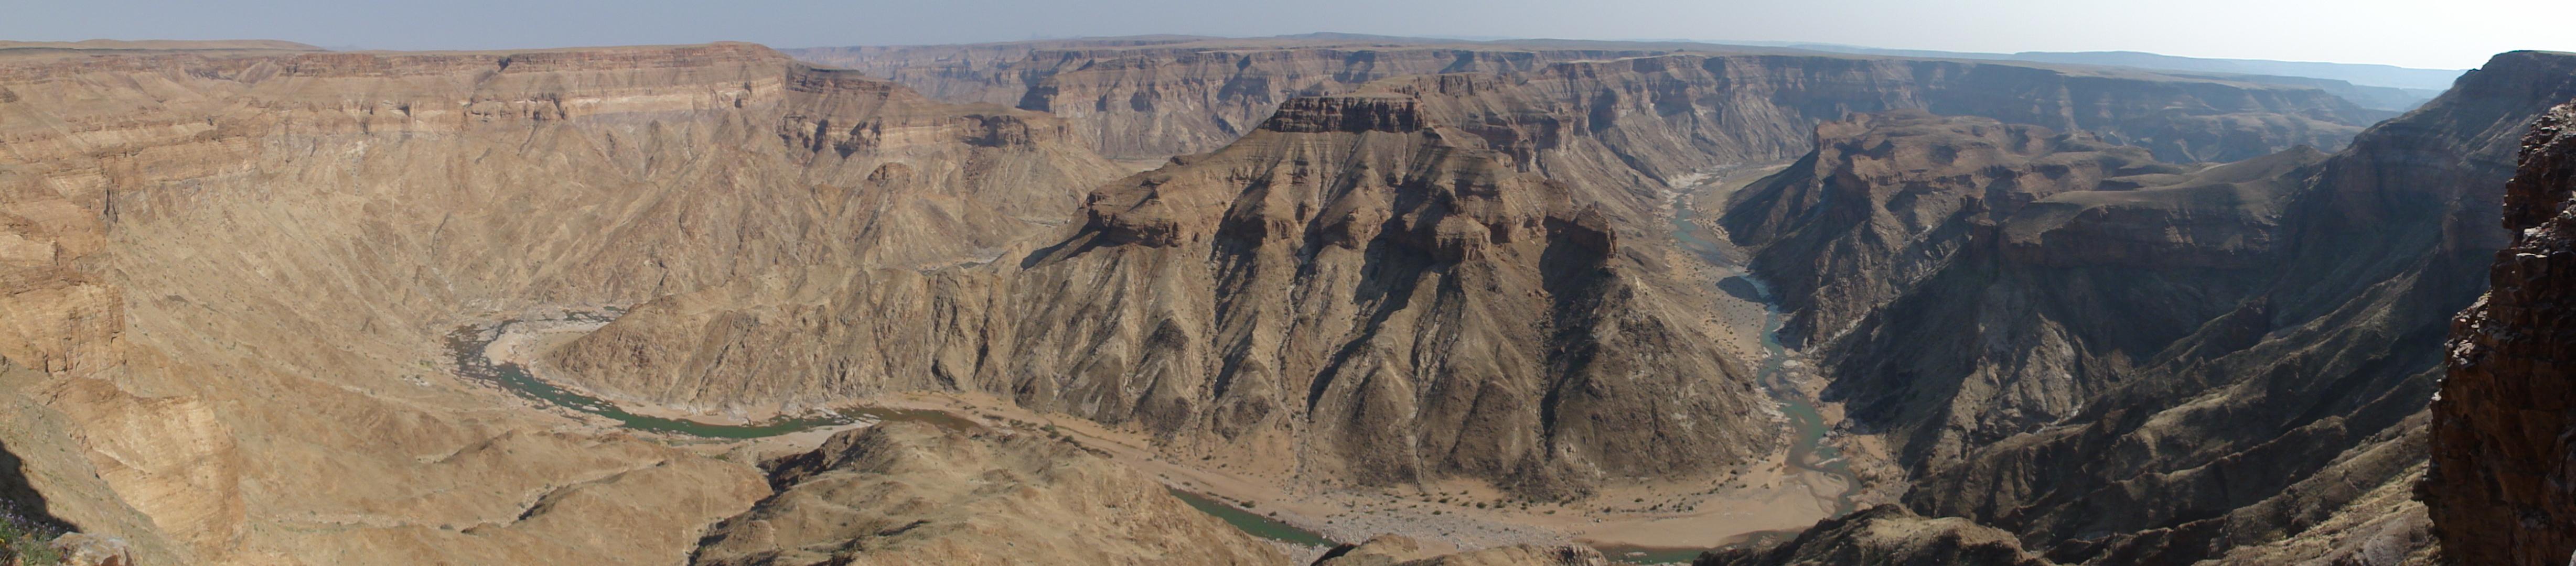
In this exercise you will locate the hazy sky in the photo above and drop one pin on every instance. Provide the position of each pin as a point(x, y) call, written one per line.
point(2434, 33)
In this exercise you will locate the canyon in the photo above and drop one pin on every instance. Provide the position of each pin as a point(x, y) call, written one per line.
point(2037, 313)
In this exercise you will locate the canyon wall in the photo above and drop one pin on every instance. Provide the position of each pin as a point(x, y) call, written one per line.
point(1149, 99)
point(2499, 484)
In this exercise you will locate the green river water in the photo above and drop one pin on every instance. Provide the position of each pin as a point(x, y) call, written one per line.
point(1807, 450)
point(468, 346)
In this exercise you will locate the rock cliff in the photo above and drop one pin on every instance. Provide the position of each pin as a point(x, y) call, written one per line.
point(2499, 488)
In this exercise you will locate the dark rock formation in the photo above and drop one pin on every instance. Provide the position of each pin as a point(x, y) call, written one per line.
point(2502, 488)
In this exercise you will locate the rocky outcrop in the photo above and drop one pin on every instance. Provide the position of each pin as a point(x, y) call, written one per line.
point(2500, 485)
point(2247, 389)
point(1154, 97)
point(912, 493)
point(1886, 534)
point(1399, 550)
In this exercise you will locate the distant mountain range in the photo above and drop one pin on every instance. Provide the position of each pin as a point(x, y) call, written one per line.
point(2379, 86)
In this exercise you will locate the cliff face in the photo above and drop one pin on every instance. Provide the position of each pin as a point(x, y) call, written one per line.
point(177, 226)
point(2499, 487)
point(909, 493)
point(2252, 386)
point(1158, 99)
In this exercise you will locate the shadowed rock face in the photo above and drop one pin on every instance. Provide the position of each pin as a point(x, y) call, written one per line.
point(2499, 489)
point(2257, 392)
point(910, 493)
point(1152, 98)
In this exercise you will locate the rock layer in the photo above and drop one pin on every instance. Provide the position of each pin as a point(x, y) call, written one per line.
point(2500, 485)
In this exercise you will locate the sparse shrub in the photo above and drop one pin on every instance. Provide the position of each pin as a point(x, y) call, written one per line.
point(23, 541)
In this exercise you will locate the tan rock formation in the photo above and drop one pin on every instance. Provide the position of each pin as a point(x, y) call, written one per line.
point(911, 493)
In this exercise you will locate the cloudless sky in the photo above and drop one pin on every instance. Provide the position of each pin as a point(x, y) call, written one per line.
point(2448, 34)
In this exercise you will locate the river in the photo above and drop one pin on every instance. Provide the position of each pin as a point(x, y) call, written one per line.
point(470, 345)
point(1807, 449)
